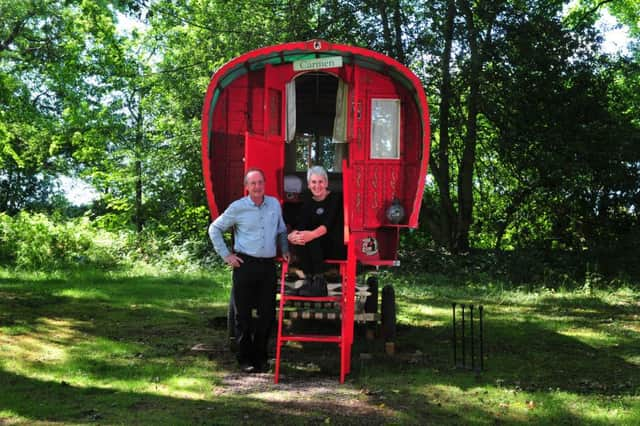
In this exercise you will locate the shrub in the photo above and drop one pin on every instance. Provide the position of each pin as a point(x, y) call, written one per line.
point(35, 241)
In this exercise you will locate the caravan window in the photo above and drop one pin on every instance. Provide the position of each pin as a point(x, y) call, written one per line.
point(385, 128)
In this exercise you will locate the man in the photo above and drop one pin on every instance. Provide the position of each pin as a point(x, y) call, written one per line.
point(258, 226)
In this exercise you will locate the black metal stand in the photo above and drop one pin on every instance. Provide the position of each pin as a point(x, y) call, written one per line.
point(468, 337)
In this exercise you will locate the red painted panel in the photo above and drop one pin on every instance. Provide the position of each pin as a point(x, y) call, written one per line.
point(357, 113)
point(373, 196)
point(255, 116)
point(250, 108)
point(274, 103)
point(230, 125)
point(357, 198)
point(268, 156)
point(219, 151)
point(376, 246)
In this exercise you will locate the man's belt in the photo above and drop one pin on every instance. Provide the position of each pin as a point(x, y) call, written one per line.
point(248, 258)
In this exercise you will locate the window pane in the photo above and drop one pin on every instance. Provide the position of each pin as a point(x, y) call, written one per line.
point(385, 128)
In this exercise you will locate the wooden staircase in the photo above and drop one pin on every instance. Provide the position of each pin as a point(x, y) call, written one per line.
point(345, 304)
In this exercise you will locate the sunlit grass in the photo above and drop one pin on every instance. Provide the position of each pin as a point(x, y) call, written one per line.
point(83, 293)
point(590, 336)
point(114, 348)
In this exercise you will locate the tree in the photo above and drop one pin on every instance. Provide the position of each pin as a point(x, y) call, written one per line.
point(566, 138)
point(451, 218)
point(586, 12)
point(150, 174)
point(53, 58)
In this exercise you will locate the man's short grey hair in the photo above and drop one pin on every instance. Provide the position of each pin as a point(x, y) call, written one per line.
point(318, 171)
point(251, 170)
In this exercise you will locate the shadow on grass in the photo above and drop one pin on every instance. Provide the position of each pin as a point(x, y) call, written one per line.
point(524, 362)
point(139, 326)
point(523, 354)
point(110, 329)
point(47, 401)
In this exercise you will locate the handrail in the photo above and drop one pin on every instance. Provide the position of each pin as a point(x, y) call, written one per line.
point(346, 200)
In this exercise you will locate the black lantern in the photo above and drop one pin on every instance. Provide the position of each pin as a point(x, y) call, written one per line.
point(395, 212)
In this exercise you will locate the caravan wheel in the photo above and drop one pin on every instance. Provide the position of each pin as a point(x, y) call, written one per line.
point(388, 314)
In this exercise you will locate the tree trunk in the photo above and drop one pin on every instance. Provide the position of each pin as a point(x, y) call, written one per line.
point(397, 26)
point(386, 30)
point(138, 202)
point(138, 218)
point(516, 202)
point(442, 224)
point(465, 175)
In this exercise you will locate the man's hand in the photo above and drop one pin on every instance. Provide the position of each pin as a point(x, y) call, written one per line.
point(233, 260)
point(286, 257)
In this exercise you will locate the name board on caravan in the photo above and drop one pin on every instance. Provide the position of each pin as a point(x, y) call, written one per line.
point(317, 64)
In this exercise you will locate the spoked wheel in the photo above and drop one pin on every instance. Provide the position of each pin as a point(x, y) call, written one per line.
point(388, 314)
point(371, 304)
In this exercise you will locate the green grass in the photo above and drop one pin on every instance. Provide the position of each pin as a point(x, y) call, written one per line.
point(115, 348)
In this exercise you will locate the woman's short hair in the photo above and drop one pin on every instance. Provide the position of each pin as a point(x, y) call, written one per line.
point(318, 171)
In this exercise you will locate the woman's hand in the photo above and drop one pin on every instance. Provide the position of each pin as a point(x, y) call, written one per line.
point(301, 238)
point(294, 238)
point(298, 238)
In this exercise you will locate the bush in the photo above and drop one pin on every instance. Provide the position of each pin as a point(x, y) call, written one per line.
point(35, 241)
point(550, 268)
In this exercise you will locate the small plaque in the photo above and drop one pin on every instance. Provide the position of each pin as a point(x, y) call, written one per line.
point(318, 63)
point(370, 246)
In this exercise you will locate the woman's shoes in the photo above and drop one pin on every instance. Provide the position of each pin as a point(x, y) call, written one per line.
point(314, 287)
point(306, 290)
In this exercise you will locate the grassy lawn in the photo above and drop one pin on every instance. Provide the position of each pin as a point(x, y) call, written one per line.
point(115, 348)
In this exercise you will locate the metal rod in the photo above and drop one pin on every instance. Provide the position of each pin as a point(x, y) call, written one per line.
point(453, 337)
point(473, 343)
point(481, 309)
point(464, 355)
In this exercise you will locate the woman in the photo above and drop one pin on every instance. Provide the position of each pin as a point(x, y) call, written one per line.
point(318, 233)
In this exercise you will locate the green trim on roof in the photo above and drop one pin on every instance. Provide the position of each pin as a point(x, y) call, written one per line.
point(231, 76)
point(212, 107)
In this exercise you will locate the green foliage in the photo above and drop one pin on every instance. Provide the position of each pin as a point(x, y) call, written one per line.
point(626, 11)
point(554, 268)
point(555, 158)
point(34, 241)
point(55, 61)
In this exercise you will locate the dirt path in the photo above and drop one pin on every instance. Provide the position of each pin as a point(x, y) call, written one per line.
point(325, 399)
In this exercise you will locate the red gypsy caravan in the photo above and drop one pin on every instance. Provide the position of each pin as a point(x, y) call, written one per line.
point(360, 114)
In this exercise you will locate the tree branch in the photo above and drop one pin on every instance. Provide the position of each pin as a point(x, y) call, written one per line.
point(12, 36)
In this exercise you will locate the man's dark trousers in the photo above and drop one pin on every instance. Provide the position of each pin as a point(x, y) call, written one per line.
point(254, 287)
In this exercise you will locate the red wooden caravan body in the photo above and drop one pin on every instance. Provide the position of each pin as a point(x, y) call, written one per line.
point(360, 114)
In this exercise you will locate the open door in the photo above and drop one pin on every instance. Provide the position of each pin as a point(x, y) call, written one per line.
point(266, 151)
point(268, 156)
